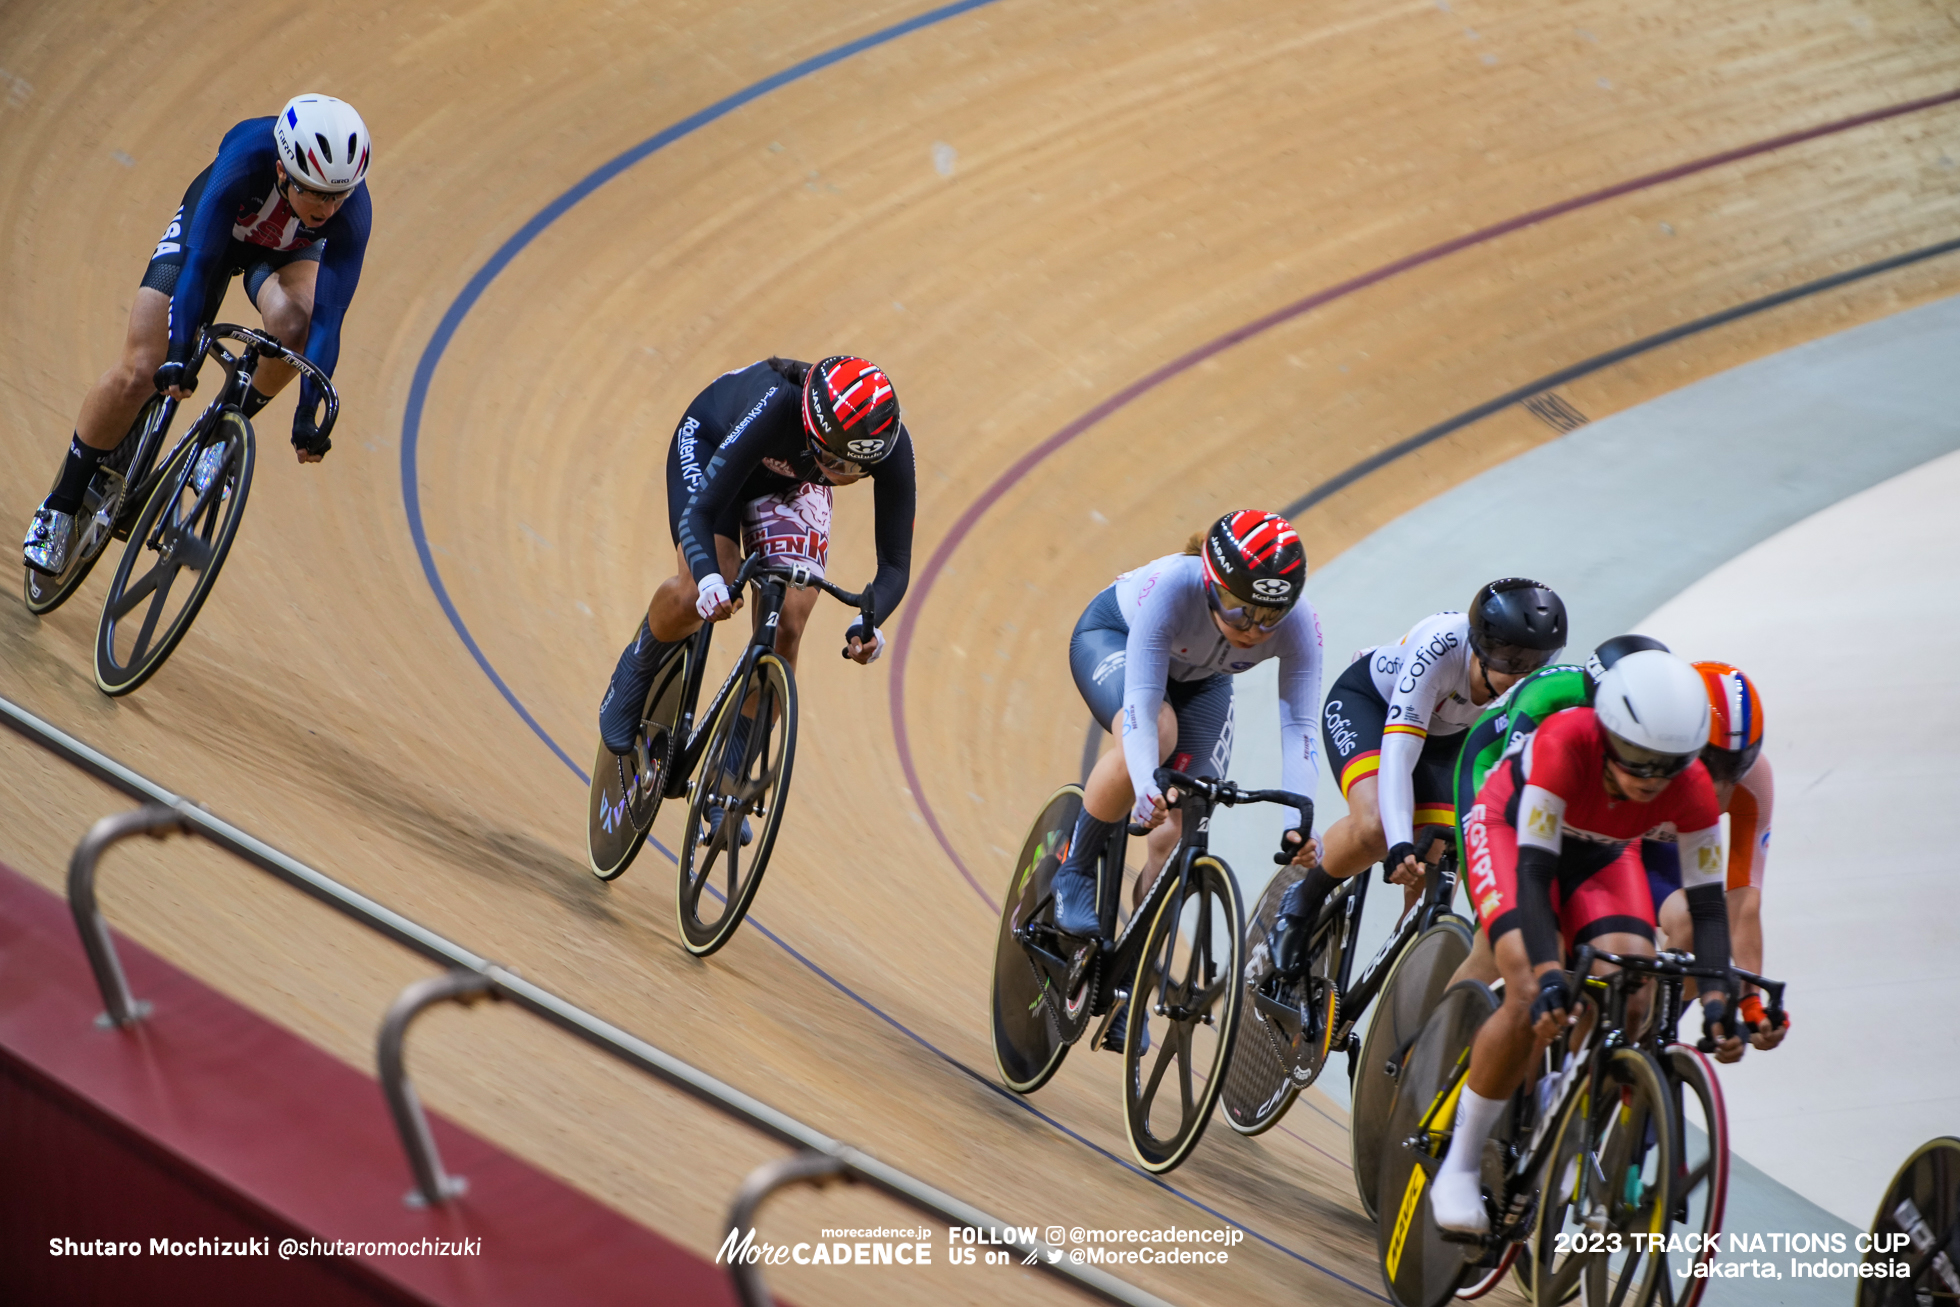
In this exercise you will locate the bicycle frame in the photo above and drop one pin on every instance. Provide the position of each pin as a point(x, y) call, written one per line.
point(772, 589)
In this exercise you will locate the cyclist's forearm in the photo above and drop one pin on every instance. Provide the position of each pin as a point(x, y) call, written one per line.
point(1746, 929)
point(1395, 793)
point(1537, 920)
point(1710, 915)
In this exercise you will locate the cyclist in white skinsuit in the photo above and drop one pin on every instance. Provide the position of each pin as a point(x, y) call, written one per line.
point(1394, 721)
point(1154, 652)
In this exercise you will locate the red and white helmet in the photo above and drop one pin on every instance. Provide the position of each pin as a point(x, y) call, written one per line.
point(323, 143)
point(851, 410)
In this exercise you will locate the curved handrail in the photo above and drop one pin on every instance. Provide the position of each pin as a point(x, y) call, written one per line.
point(166, 812)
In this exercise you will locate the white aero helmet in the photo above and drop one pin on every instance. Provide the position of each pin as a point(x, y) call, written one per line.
point(1655, 711)
point(323, 142)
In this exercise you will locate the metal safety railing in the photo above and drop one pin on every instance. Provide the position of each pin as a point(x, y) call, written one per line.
point(468, 978)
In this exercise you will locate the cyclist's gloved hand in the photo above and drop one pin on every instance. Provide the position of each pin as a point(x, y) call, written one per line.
point(866, 652)
point(174, 375)
point(1151, 811)
point(1298, 846)
point(1393, 870)
point(307, 438)
point(1762, 1033)
point(1554, 998)
point(713, 604)
point(1718, 1028)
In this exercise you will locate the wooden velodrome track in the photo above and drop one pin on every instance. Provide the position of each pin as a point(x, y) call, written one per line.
point(1125, 185)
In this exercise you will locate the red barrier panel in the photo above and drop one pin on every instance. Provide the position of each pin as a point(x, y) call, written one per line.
point(207, 1122)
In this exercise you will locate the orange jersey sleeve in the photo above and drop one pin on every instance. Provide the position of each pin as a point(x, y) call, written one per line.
point(1749, 812)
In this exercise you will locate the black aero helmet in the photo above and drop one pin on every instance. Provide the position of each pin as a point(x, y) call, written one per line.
point(1257, 561)
point(1611, 652)
point(1516, 625)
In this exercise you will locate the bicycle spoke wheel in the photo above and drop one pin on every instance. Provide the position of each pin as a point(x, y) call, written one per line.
point(1919, 1221)
point(1258, 1088)
point(1701, 1171)
point(1608, 1178)
point(1413, 989)
point(626, 788)
point(184, 528)
point(1183, 1016)
point(1032, 1031)
point(102, 506)
point(1419, 1266)
point(745, 774)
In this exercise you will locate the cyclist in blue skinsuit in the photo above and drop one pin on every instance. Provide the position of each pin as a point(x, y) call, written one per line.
point(286, 204)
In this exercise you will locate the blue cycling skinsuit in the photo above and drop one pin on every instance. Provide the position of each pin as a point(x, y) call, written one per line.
point(233, 220)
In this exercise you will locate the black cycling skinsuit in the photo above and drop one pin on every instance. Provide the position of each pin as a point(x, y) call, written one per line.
point(743, 438)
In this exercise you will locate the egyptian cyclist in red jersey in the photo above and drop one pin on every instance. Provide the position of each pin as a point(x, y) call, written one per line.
point(1746, 789)
point(285, 205)
point(1394, 722)
point(1154, 656)
point(1554, 862)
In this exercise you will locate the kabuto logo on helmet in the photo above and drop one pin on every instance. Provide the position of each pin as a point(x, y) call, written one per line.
point(866, 449)
point(1271, 587)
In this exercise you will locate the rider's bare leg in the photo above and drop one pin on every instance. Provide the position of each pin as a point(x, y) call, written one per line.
point(286, 303)
point(1108, 797)
point(671, 616)
point(118, 394)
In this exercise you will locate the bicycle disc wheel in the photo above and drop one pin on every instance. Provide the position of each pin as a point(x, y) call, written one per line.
point(1031, 1036)
point(181, 527)
point(1701, 1170)
point(1608, 1178)
point(1258, 1088)
point(1410, 994)
point(1419, 1266)
point(1183, 1016)
point(745, 772)
point(1919, 1219)
point(626, 788)
point(102, 506)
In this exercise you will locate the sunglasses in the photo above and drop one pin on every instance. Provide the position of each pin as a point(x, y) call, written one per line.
point(1514, 660)
point(1646, 763)
point(829, 462)
point(318, 197)
point(1248, 617)
point(1726, 766)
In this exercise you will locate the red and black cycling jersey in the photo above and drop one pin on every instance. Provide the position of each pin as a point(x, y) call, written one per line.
point(743, 438)
point(1560, 803)
point(1545, 829)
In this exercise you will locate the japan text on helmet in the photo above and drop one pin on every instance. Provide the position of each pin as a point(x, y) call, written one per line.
point(1516, 625)
point(323, 143)
point(1735, 722)
point(1255, 567)
point(1655, 713)
point(851, 410)
point(1612, 651)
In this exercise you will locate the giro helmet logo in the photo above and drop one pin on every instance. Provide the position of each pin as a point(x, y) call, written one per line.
point(865, 448)
point(1271, 587)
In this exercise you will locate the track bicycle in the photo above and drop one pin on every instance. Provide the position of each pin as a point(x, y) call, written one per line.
point(1291, 1027)
point(743, 749)
point(1918, 1222)
point(1581, 1171)
point(1167, 987)
point(181, 513)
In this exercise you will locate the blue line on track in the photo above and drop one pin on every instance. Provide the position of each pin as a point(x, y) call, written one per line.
point(418, 395)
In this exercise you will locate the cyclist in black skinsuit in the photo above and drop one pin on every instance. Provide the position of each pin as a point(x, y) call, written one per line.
point(758, 449)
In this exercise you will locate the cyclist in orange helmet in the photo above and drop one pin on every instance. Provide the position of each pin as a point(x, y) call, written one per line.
point(1746, 790)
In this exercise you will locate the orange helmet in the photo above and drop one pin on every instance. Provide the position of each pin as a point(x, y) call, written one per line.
point(1735, 722)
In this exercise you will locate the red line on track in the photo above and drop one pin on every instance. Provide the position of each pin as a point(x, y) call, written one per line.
point(1258, 326)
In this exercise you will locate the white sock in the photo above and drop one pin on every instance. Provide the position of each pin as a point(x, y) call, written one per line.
point(1475, 1115)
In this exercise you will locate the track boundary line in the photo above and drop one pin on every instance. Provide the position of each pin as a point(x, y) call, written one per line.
point(1027, 462)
